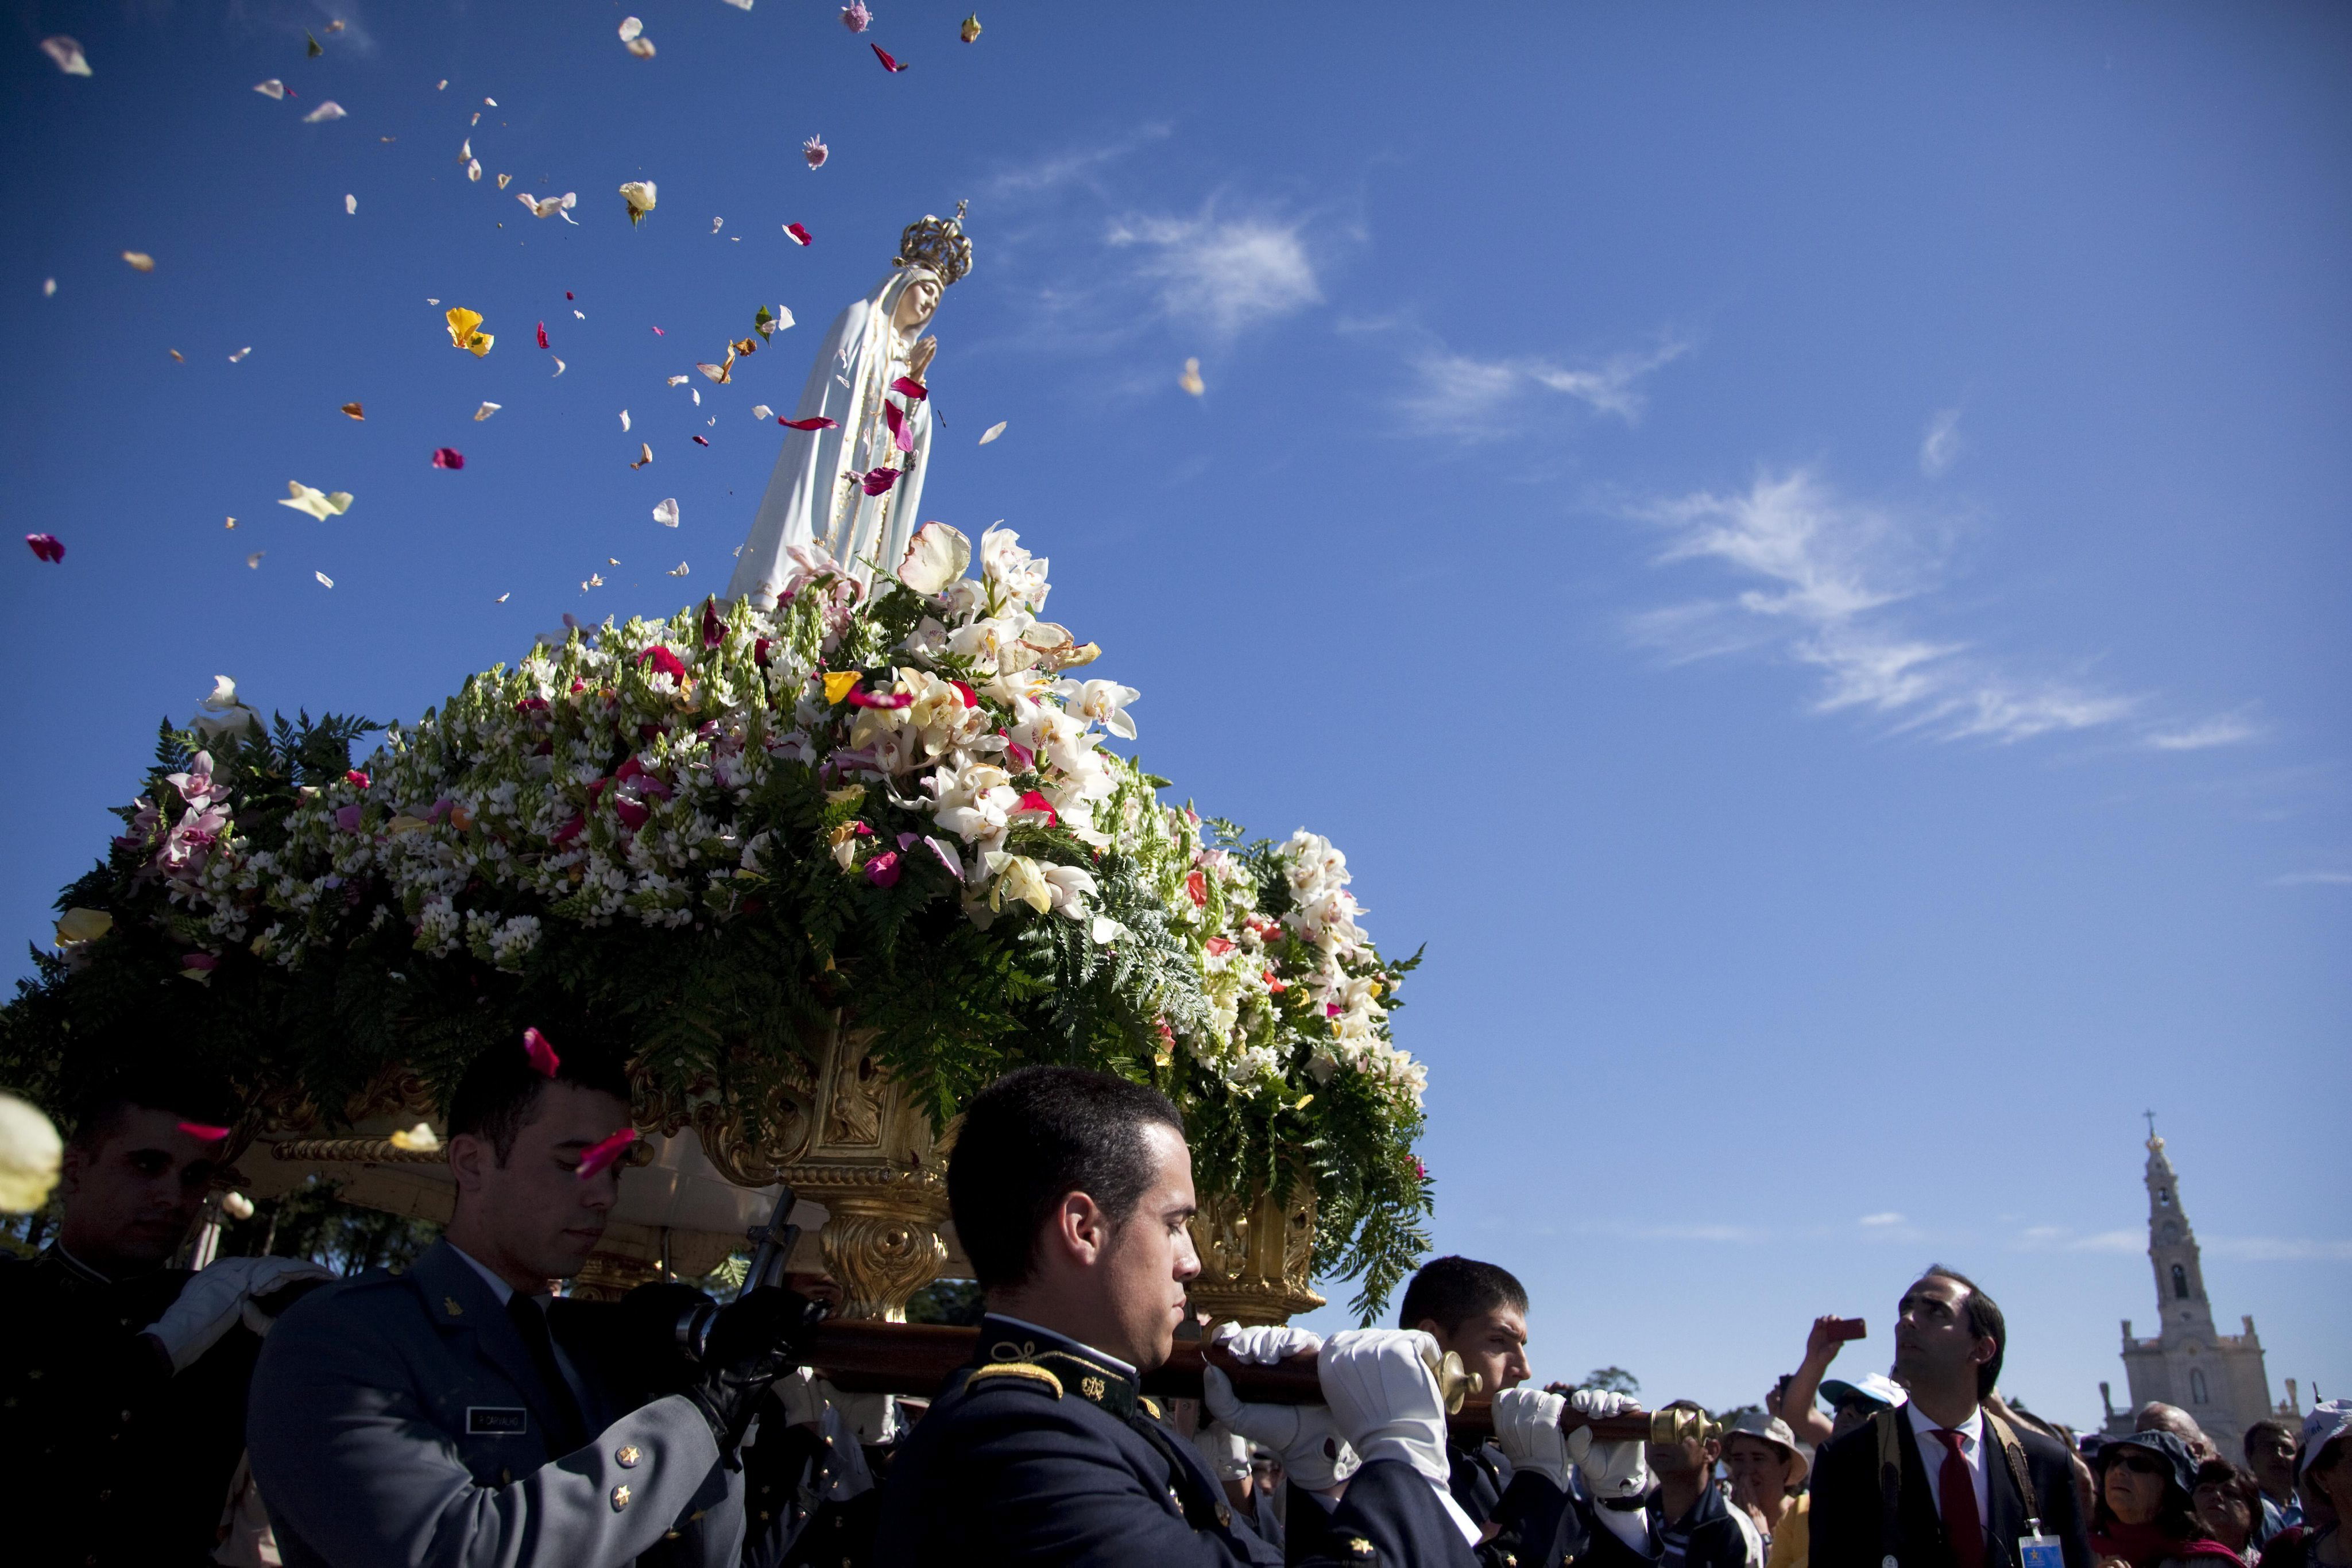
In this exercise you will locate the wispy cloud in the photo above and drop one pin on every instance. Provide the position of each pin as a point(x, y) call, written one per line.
point(1475, 400)
point(1889, 1217)
point(1225, 274)
point(2313, 879)
point(2059, 1239)
point(1014, 183)
point(1940, 447)
point(1827, 580)
point(2226, 729)
point(2278, 1249)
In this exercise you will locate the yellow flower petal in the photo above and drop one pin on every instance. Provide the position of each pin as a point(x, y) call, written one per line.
point(419, 1139)
point(84, 925)
point(839, 683)
point(462, 323)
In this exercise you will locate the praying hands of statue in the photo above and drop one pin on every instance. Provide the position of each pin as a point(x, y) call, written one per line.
point(918, 359)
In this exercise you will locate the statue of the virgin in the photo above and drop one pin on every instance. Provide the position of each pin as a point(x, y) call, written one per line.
point(851, 477)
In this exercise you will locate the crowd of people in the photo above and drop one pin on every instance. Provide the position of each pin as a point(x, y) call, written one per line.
point(463, 1411)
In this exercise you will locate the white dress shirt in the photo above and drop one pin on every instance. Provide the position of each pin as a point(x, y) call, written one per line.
point(1932, 1452)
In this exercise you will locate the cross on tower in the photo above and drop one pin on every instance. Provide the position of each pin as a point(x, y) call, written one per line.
point(2151, 1122)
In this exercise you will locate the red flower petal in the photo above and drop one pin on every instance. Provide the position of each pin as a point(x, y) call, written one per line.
point(714, 631)
point(878, 480)
point(543, 1060)
point(531, 704)
point(896, 418)
point(1033, 801)
point(542, 334)
point(971, 697)
point(662, 659)
point(632, 816)
point(448, 457)
point(908, 387)
point(800, 236)
point(46, 547)
point(598, 1156)
point(893, 700)
point(882, 870)
point(1218, 946)
point(1196, 887)
point(204, 1134)
point(568, 832)
point(884, 55)
point(818, 424)
point(355, 777)
point(760, 652)
point(700, 441)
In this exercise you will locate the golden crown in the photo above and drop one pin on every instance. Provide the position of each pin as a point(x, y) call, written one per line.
point(938, 244)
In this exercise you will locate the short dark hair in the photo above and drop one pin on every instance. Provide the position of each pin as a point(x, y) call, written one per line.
point(1984, 1321)
point(2270, 1431)
point(190, 1093)
point(1450, 1291)
point(1031, 1139)
point(2235, 1481)
point(499, 1093)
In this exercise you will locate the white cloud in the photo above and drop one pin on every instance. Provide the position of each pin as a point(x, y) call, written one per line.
point(1470, 398)
point(2227, 729)
point(1889, 1217)
point(2058, 1238)
point(1940, 447)
point(2313, 879)
point(2278, 1249)
point(1014, 183)
point(1226, 274)
point(1826, 579)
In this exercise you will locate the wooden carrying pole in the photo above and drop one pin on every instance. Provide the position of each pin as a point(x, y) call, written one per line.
point(865, 1357)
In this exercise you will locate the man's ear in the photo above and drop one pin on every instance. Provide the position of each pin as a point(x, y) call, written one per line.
point(1430, 1327)
point(69, 1171)
point(469, 1158)
point(1081, 1229)
point(1985, 1349)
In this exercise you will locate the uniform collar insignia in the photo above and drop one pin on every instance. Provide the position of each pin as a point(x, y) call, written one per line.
point(1082, 1370)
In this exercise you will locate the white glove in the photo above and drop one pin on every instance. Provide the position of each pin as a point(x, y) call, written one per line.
point(1265, 1345)
point(1223, 1451)
point(1611, 1470)
point(216, 1300)
point(1527, 1429)
point(802, 1394)
point(1312, 1450)
point(1382, 1386)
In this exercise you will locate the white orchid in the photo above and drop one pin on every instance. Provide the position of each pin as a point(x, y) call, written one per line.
point(1104, 702)
point(1018, 577)
point(935, 556)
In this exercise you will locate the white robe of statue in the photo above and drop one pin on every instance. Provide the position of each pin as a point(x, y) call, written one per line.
point(813, 497)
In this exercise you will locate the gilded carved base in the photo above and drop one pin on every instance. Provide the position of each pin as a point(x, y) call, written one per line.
point(1257, 1257)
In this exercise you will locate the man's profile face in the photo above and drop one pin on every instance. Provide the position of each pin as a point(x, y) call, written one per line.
point(535, 1208)
point(131, 1198)
point(2271, 1458)
point(1932, 1337)
point(1151, 1256)
point(1494, 1344)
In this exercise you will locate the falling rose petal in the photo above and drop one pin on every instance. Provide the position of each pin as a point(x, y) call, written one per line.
point(645, 454)
point(1191, 380)
point(815, 152)
point(600, 1156)
point(969, 31)
point(994, 431)
point(204, 1133)
point(487, 410)
point(678, 570)
point(541, 1055)
point(46, 547)
point(177, 357)
point(800, 235)
point(625, 422)
point(351, 204)
point(253, 561)
point(641, 47)
point(273, 87)
point(559, 365)
point(355, 411)
point(725, 372)
point(888, 63)
point(896, 418)
point(639, 194)
point(70, 58)
point(1034, 803)
point(49, 291)
point(320, 503)
point(140, 260)
point(718, 224)
point(238, 357)
point(502, 598)
point(502, 181)
point(875, 481)
point(910, 388)
point(330, 109)
point(699, 440)
point(448, 457)
point(855, 17)
point(665, 514)
point(474, 169)
point(542, 334)
point(465, 332)
point(630, 28)
point(882, 870)
point(663, 660)
point(324, 581)
point(761, 411)
point(819, 423)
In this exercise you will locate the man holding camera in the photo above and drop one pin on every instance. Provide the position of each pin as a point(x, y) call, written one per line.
point(1072, 1192)
point(400, 1421)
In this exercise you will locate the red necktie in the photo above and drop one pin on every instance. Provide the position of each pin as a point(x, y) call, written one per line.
point(1955, 1496)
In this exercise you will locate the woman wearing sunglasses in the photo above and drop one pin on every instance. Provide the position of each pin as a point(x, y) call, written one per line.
point(2145, 1516)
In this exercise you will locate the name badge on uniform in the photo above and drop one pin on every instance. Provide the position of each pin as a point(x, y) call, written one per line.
point(512, 1421)
point(2038, 1551)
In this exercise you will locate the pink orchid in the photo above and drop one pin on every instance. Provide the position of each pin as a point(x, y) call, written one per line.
point(882, 870)
point(543, 1060)
point(1020, 756)
point(598, 1156)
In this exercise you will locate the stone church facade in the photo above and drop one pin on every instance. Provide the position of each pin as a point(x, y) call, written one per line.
point(2217, 1378)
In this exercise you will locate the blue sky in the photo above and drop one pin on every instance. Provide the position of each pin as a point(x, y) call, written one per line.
point(1800, 549)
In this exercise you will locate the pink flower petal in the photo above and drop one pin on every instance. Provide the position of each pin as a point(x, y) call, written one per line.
point(46, 547)
point(348, 817)
point(355, 777)
point(542, 334)
point(889, 700)
point(1196, 888)
point(882, 870)
point(448, 457)
point(568, 832)
point(632, 816)
point(1031, 801)
point(598, 1156)
point(818, 424)
point(948, 856)
point(800, 236)
point(971, 697)
point(662, 659)
point(908, 387)
point(1218, 946)
point(875, 481)
point(714, 631)
point(884, 55)
point(543, 1060)
point(200, 1131)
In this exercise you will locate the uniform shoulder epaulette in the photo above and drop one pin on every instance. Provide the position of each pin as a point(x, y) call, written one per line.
point(1018, 1371)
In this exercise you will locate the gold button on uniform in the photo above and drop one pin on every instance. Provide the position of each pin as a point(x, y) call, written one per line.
point(620, 1498)
point(628, 1455)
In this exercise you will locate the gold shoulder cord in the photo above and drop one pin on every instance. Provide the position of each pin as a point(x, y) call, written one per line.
point(1017, 1369)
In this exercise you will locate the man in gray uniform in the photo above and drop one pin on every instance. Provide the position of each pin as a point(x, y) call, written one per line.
point(400, 1421)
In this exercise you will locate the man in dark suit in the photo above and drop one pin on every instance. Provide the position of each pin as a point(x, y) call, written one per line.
point(1936, 1483)
point(1072, 1193)
point(450, 1416)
